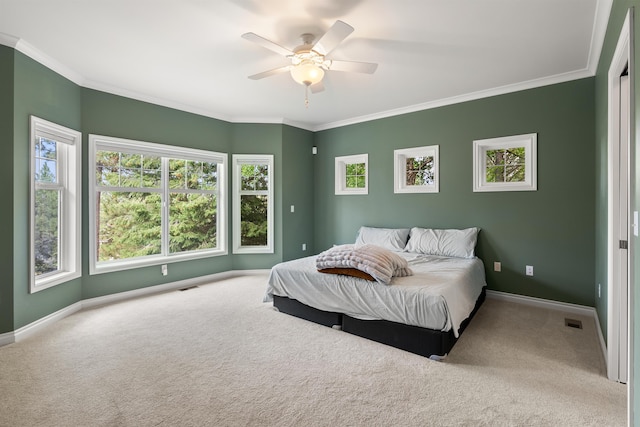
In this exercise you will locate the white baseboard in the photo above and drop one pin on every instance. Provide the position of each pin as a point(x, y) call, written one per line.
point(33, 327)
point(38, 325)
point(582, 310)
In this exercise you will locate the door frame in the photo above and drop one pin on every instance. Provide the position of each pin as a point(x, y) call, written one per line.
point(622, 58)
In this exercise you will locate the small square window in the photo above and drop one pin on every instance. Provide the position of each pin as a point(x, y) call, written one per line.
point(416, 170)
point(505, 164)
point(352, 174)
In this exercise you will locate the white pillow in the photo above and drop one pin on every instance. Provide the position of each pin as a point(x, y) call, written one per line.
point(393, 239)
point(453, 243)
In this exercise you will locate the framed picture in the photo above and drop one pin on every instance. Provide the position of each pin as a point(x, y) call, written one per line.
point(352, 174)
point(505, 164)
point(415, 170)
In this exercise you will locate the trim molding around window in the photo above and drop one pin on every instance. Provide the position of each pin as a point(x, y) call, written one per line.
point(505, 164)
point(253, 219)
point(55, 204)
point(153, 203)
point(416, 170)
point(352, 174)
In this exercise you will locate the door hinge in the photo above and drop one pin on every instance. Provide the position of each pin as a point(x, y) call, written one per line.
point(624, 244)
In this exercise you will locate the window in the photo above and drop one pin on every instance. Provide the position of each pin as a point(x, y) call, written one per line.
point(352, 174)
point(154, 203)
point(253, 204)
point(55, 204)
point(416, 170)
point(505, 164)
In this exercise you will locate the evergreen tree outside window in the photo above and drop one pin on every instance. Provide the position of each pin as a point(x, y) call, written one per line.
point(253, 204)
point(154, 204)
point(55, 204)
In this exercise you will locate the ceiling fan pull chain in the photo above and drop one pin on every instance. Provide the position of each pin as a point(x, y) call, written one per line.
point(306, 96)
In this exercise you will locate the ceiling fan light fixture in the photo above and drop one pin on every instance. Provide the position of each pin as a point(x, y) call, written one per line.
point(307, 73)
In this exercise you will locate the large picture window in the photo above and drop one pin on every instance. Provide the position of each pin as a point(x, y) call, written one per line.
point(55, 204)
point(253, 203)
point(154, 203)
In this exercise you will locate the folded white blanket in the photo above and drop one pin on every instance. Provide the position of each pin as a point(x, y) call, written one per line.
point(380, 263)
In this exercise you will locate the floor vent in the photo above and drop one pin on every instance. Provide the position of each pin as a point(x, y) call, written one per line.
point(186, 289)
point(572, 323)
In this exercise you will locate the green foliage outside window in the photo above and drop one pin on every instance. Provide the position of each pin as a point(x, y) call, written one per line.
point(130, 222)
point(47, 208)
point(355, 176)
point(420, 170)
point(254, 207)
point(506, 165)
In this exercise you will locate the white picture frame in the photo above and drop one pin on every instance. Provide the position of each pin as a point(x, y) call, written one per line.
point(506, 163)
point(422, 175)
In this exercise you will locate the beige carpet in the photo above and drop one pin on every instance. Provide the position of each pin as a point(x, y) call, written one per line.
point(217, 356)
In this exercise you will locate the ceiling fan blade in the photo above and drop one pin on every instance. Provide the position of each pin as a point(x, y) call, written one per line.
point(318, 87)
point(352, 66)
point(332, 38)
point(269, 73)
point(253, 37)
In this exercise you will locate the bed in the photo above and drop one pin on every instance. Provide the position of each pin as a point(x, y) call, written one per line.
point(436, 287)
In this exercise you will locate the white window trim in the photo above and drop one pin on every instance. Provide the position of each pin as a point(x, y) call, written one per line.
point(70, 229)
point(480, 147)
point(98, 142)
point(400, 169)
point(340, 174)
point(237, 161)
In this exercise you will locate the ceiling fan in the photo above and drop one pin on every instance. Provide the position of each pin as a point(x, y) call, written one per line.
point(309, 60)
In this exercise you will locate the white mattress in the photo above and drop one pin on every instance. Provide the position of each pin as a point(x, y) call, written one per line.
point(441, 293)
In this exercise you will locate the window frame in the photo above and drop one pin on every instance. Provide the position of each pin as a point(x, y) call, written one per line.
point(341, 178)
point(256, 159)
point(166, 152)
point(400, 169)
point(480, 147)
point(69, 173)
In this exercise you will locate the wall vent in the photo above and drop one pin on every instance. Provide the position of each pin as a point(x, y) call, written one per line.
point(572, 323)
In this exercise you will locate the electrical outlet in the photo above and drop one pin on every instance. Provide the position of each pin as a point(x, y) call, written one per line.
point(599, 290)
point(497, 266)
point(529, 270)
point(293, 209)
point(304, 246)
point(165, 271)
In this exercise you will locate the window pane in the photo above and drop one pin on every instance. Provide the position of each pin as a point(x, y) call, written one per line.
point(177, 173)
point(46, 158)
point(495, 174)
point(515, 173)
point(420, 170)
point(193, 221)
point(514, 155)
point(254, 177)
point(129, 225)
point(46, 237)
point(253, 220)
point(127, 170)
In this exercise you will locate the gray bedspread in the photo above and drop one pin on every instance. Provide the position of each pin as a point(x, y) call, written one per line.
point(440, 294)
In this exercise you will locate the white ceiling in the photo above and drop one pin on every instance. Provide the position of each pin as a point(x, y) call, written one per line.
point(188, 54)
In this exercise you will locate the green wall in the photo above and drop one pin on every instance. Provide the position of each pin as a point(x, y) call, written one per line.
point(297, 180)
point(34, 89)
point(551, 229)
point(6, 191)
point(42, 93)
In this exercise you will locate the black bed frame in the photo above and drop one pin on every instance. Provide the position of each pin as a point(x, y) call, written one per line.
point(422, 341)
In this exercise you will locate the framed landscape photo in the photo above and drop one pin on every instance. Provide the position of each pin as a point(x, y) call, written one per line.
point(505, 164)
point(415, 170)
